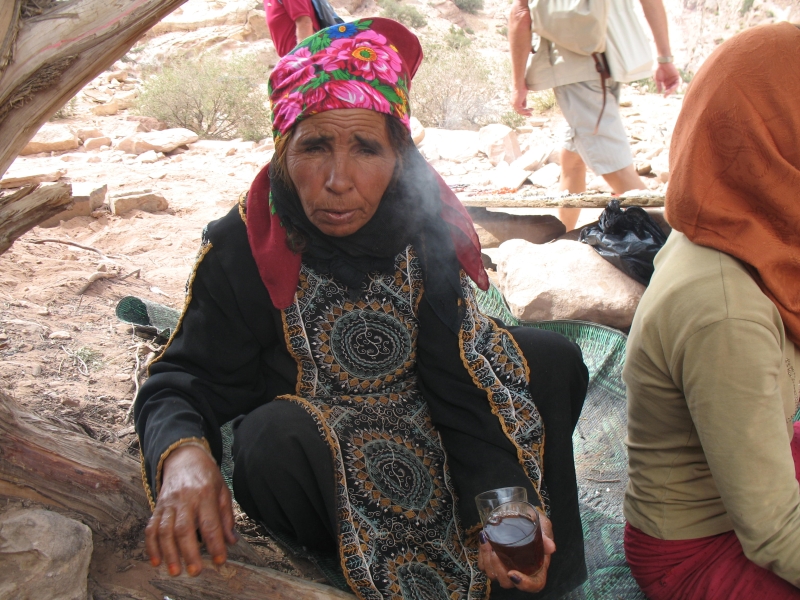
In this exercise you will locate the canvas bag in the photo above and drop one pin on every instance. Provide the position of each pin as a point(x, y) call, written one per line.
point(577, 25)
point(325, 14)
point(589, 27)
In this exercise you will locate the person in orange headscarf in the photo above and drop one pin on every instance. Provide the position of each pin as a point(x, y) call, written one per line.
point(713, 364)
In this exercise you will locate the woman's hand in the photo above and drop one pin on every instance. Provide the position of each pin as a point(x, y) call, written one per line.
point(490, 563)
point(193, 497)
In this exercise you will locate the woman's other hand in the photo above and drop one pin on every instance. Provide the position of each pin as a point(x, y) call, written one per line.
point(490, 563)
point(193, 497)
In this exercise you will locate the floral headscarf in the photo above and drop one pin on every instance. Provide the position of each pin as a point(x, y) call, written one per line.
point(351, 65)
point(367, 64)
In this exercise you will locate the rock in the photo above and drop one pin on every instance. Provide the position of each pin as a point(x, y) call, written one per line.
point(51, 138)
point(148, 123)
point(96, 142)
point(547, 176)
point(537, 121)
point(499, 143)
point(85, 133)
point(86, 198)
point(530, 160)
point(660, 166)
point(417, 131)
point(108, 109)
point(43, 555)
point(193, 16)
point(60, 335)
point(505, 177)
point(160, 141)
point(496, 227)
point(643, 168)
point(598, 184)
point(456, 146)
point(125, 99)
point(121, 76)
point(148, 157)
point(17, 179)
point(96, 95)
point(553, 157)
point(565, 280)
point(146, 200)
point(255, 27)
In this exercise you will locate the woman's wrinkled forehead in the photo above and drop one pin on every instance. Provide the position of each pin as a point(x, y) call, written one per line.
point(365, 64)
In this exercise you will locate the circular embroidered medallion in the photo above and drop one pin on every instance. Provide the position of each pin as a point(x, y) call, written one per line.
point(398, 473)
point(420, 582)
point(369, 344)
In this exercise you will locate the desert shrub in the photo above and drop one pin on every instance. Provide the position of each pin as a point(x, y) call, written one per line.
point(455, 88)
point(686, 76)
point(456, 38)
point(470, 6)
point(543, 101)
point(512, 119)
point(70, 109)
point(407, 15)
point(647, 85)
point(215, 98)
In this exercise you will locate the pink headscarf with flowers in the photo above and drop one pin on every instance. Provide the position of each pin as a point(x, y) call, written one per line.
point(366, 64)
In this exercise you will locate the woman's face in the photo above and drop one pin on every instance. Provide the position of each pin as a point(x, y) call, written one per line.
point(341, 162)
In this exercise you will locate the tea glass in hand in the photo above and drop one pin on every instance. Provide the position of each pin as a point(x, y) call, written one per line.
point(515, 533)
point(488, 501)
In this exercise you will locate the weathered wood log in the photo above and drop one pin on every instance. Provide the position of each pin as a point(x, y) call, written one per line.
point(47, 55)
point(58, 469)
point(69, 473)
point(572, 201)
point(25, 208)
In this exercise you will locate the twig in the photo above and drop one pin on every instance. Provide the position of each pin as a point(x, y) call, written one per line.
point(68, 243)
point(74, 356)
point(135, 382)
point(136, 272)
point(603, 480)
point(94, 277)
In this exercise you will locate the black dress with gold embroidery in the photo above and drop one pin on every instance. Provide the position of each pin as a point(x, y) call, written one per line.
point(417, 419)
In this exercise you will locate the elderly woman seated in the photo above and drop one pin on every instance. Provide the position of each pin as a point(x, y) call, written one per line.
point(331, 315)
point(713, 363)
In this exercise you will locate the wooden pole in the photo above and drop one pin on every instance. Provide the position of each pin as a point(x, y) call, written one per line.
point(572, 201)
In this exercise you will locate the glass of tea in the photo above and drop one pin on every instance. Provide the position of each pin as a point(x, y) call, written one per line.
point(514, 531)
point(488, 501)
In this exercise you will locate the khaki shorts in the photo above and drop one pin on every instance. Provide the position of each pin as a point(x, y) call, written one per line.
point(607, 151)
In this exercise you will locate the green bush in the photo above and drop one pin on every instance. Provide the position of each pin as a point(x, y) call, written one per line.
point(543, 101)
point(648, 85)
point(454, 88)
point(512, 119)
point(215, 98)
point(407, 15)
point(456, 38)
point(470, 6)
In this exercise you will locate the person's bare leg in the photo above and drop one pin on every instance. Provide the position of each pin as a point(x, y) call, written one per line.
point(573, 179)
point(624, 180)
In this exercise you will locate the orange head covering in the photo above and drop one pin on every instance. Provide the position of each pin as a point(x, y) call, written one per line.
point(735, 161)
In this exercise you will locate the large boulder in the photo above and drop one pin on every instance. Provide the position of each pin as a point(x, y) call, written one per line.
point(495, 227)
point(52, 138)
point(565, 280)
point(499, 143)
point(158, 141)
point(457, 146)
point(43, 555)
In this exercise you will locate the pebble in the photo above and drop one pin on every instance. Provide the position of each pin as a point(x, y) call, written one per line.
point(60, 335)
point(36, 370)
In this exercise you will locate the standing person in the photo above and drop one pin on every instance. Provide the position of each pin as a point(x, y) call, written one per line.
point(290, 22)
point(713, 358)
point(579, 93)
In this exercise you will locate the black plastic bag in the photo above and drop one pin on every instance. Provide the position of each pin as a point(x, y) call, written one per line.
point(627, 238)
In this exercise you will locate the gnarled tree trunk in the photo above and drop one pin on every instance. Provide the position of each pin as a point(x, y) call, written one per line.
point(49, 50)
point(51, 467)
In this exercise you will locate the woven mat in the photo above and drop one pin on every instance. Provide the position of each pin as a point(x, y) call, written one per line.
point(600, 454)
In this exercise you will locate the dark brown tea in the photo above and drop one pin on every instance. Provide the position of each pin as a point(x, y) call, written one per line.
point(517, 540)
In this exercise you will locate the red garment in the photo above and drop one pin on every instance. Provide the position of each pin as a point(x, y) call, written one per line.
point(708, 568)
point(281, 17)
